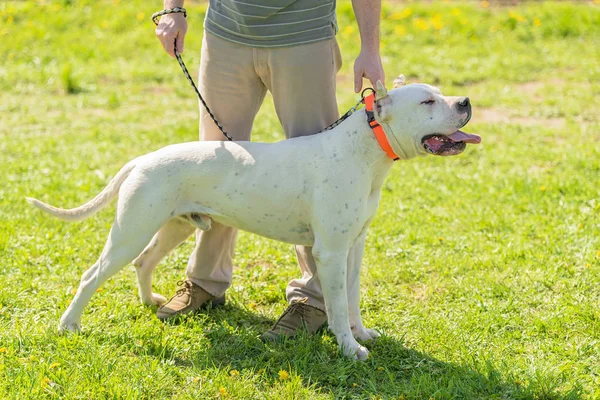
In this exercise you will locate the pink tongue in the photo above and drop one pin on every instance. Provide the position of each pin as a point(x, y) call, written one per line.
point(460, 136)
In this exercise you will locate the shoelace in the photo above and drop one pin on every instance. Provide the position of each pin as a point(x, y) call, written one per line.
point(298, 308)
point(185, 287)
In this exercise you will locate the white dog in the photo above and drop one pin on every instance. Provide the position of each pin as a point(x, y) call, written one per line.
point(320, 191)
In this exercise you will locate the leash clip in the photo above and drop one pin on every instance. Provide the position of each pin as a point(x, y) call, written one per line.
point(362, 94)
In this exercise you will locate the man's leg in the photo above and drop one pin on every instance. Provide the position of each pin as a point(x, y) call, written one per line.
point(234, 93)
point(302, 80)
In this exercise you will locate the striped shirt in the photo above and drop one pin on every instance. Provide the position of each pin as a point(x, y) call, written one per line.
point(274, 23)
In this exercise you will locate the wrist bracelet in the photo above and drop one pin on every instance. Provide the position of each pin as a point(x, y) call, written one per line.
point(169, 11)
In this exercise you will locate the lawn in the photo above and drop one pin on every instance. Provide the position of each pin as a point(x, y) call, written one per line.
point(482, 271)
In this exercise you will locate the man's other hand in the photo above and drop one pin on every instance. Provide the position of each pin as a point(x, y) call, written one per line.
point(368, 65)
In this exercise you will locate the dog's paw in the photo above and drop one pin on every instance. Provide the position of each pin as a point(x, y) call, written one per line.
point(154, 300)
point(363, 333)
point(361, 353)
point(355, 351)
point(158, 299)
point(65, 327)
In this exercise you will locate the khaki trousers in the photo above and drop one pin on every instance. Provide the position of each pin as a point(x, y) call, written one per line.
point(234, 80)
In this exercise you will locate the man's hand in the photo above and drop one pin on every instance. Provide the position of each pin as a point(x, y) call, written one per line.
point(171, 27)
point(368, 65)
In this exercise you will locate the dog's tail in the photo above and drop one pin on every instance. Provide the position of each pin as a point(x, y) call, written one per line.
point(91, 207)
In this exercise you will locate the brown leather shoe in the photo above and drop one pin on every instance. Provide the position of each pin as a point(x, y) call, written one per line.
point(297, 316)
point(189, 298)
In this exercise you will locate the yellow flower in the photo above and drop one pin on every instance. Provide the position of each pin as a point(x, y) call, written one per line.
point(46, 381)
point(283, 374)
point(223, 391)
point(536, 21)
point(2, 349)
point(516, 16)
point(400, 30)
point(252, 305)
point(543, 188)
point(54, 365)
point(436, 22)
point(407, 12)
point(234, 373)
point(421, 24)
point(598, 254)
point(140, 16)
point(354, 385)
point(196, 379)
point(485, 3)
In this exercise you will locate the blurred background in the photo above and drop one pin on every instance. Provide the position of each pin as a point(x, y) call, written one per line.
point(482, 270)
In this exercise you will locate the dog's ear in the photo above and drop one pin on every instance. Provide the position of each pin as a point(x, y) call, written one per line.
point(399, 81)
point(380, 91)
point(382, 101)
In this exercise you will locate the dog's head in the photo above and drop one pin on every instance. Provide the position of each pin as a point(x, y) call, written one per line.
point(419, 120)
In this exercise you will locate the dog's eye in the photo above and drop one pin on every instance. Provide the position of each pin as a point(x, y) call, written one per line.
point(428, 102)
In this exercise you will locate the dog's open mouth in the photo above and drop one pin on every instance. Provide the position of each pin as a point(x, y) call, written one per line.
point(449, 145)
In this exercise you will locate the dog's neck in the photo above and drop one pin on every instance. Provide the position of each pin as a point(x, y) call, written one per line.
point(365, 141)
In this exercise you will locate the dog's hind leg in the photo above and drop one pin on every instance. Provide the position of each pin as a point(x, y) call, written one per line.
point(166, 239)
point(128, 236)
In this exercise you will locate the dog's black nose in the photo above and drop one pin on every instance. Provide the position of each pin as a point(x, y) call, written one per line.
point(463, 105)
point(464, 102)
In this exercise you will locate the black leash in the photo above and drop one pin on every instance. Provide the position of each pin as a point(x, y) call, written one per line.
point(185, 70)
point(189, 77)
point(345, 116)
point(191, 80)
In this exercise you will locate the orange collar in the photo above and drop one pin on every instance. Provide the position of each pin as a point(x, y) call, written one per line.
point(377, 129)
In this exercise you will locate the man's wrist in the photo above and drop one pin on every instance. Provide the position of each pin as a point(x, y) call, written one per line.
point(370, 50)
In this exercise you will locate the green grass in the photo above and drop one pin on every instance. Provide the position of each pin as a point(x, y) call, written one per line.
point(481, 270)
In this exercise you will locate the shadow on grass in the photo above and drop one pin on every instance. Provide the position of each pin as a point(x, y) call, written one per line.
point(393, 370)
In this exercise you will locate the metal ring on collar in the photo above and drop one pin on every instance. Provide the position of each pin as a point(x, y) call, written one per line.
point(169, 11)
point(362, 94)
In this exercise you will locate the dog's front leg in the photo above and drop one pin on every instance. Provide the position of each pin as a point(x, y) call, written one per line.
point(354, 263)
point(332, 269)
